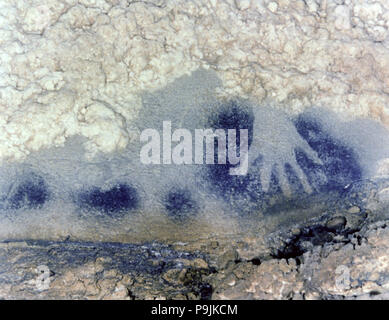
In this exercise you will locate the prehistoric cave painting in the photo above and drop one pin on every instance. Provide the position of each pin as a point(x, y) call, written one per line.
point(340, 163)
point(298, 166)
point(287, 157)
point(179, 203)
point(117, 199)
point(29, 191)
point(275, 139)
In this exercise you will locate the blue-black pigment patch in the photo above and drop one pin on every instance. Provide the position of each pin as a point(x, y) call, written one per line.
point(32, 192)
point(314, 172)
point(230, 115)
point(340, 163)
point(293, 180)
point(121, 197)
point(179, 203)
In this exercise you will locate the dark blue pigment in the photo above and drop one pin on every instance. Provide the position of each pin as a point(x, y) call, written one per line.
point(248, 188)
point(294, 182)
point(32, 192)
point(340, 163)
point(314, 172)
point(274, 186)
point(274, 201)
point(121, 197)
point(179, 203)
point(230, 116)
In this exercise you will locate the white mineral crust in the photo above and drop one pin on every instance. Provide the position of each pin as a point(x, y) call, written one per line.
point(72, 67)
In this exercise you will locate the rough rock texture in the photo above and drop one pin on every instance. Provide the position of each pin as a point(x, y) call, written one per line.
point(77, 67)
point(80, 67)
point(328, 261)
point(49, 270)
point(340, 254)
point(356, 270)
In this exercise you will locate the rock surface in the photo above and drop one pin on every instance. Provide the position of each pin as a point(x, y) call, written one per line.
point(78, 67)
point(322, 259)
point(87, 68)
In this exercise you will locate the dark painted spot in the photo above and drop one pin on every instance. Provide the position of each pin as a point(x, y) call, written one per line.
point(179, 203)
point(31, 193)
point(340, 164)
point(226, 184)
point(119, 198)
point(274, 186)
point(230, 116)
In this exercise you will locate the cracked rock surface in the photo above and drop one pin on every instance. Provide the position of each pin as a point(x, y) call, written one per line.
point(324, 258)
point(357, 270)
point(78, 67)
point(72, 68)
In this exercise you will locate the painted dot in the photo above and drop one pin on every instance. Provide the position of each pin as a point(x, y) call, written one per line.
point(31, 192)
point(121, 197)
point(179, 203)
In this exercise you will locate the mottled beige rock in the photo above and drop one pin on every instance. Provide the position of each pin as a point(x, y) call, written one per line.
point(273, 279)
point(358, 269)
point(383, 168)
point(73, 67)
point(349, 271)
point(354, 271)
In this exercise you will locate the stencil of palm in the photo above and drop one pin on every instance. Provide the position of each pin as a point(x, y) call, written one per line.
point(275, 140)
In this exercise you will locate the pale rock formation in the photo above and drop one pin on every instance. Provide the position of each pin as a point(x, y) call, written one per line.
point(72, 67)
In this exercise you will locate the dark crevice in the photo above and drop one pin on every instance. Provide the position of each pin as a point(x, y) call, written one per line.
point(256, 261)
point(316, 235)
